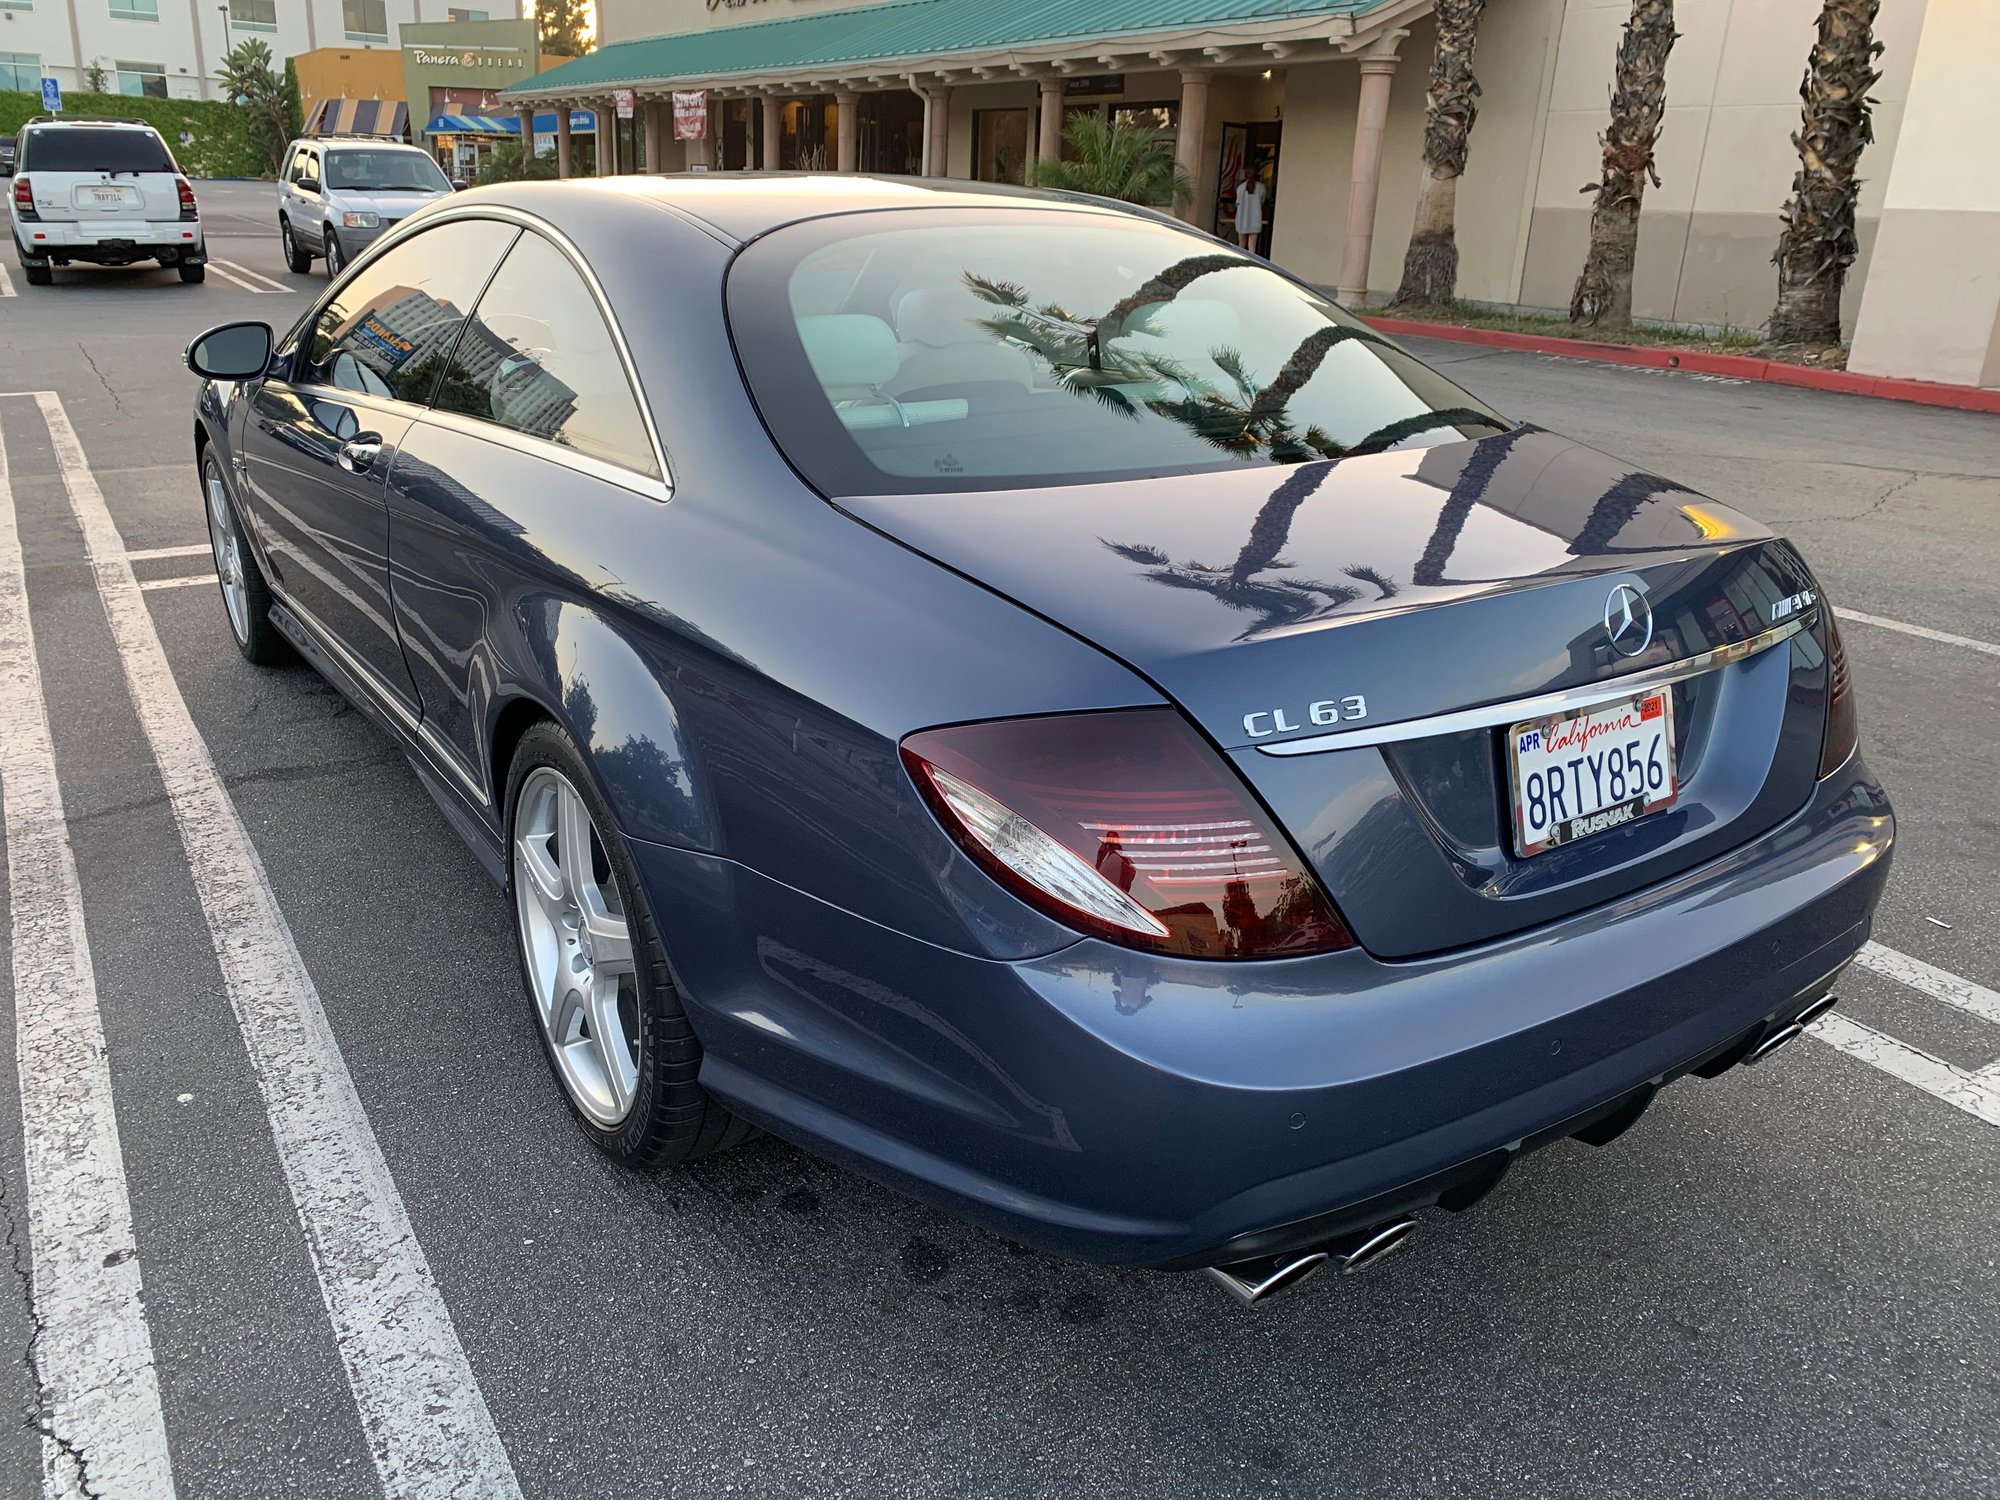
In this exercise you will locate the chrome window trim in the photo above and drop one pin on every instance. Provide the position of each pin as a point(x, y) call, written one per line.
point(534, 447)
point(417, 223)
point(1544, 705)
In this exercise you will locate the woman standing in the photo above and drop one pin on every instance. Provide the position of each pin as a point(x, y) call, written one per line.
point(1249, 211)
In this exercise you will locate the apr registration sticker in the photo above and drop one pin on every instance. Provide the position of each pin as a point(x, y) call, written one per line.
point(1586, 773)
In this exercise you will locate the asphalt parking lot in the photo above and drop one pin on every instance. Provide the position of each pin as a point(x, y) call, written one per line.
point(1785, 1281)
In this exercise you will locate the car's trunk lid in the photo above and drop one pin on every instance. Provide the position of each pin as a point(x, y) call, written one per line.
point(1286, 604)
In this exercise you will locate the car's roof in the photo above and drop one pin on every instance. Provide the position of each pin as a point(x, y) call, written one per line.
point(743, 205)
point(356, 143)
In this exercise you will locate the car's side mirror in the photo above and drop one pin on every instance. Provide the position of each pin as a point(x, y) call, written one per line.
point(459, 184)
point(234, 351)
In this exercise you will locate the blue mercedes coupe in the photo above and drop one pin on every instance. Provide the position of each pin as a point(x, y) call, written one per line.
point(1042, 707)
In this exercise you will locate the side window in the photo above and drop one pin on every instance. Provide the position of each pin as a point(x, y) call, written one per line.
point(298, 167)
point(311, 170)
point(389, 330)
point(538, 358)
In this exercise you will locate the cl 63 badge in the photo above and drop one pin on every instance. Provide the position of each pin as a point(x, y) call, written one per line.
point(1269, 721)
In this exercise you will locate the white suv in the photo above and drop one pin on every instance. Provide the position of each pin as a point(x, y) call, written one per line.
point(338, 195)
point(102, 191)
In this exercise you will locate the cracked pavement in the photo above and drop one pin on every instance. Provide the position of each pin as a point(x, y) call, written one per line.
point(1784, 1281)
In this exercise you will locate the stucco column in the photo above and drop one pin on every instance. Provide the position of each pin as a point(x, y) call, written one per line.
point(1188, 143)
point(847, 131)
point(654, 154)
point(1048, 138)
point(562, 138)
point(527, 133)
point(607, 139)
point(939, 156)
point(772, 132)
point(1364, 180)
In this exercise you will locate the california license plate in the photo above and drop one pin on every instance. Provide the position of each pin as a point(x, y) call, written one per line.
point(111, 195)
point(1586, 773)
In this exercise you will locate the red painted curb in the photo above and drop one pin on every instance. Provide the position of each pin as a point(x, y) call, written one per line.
point(1700, 362)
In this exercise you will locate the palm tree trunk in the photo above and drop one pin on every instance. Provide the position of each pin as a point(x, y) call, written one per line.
point(1818, 243)
point(1603, 294)
point(1430, 266)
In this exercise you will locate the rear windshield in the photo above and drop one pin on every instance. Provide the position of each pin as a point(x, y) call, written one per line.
point(969, 350)
point(384, 172)
point(78, 148)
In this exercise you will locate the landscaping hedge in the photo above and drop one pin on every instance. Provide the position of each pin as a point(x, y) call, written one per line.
point(219, 144)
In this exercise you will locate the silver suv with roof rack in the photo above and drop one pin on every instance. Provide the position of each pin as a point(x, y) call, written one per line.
point(340, 193)
point(102, 191)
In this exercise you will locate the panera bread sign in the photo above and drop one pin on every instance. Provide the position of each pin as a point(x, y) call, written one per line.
point(511, 58)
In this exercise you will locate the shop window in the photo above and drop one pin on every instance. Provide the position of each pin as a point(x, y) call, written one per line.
point(20, 72)
point(142, 79)
point(253, 15)
point(365, 20)
point(1000, 145)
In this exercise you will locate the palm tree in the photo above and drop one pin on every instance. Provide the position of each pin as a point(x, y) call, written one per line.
point(1818, 243)
point(1603, 295)
point(1430, 265)
point(248, 78)
point(1116, 159)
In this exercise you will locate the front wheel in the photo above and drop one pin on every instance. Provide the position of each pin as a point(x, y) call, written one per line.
point(246, 599)
point(296, 258)
point(335, 261)
point(610, 1018)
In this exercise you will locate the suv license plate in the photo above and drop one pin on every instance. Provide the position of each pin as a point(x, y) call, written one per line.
point(1585, 773)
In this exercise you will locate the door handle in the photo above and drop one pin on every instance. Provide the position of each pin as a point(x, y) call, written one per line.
point(358, 454)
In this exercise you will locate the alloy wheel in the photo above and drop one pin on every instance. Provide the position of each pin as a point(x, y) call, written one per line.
point(227, 543)
point(577, 945)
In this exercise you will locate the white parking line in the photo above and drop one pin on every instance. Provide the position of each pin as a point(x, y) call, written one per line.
point(6, 283)
point(92, 1354)
point(150, 584)
point(1919, 630)
point(246, 278)
point(147, 554)
point(1937, 983)
point(423, 1416)
point(1978, 1094)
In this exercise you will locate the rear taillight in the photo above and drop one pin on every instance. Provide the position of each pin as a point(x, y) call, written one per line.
point(1843, 725)
point(24, 199)
point(1127, 825)
point(188, 209)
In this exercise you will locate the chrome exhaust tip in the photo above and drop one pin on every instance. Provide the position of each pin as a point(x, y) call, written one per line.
point(1375, 1244)
point(1260, 1279)
point(1253, 1281)
point(1817, 1009)
point(1779, 1038)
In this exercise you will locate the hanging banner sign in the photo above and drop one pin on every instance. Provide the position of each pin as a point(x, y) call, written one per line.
point(623, 98)
point(691, 116)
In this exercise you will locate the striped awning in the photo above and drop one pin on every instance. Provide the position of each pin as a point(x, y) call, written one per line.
point(581, 122)
point(385, 117)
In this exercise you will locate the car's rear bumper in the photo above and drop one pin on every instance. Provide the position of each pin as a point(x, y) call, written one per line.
point(111, 242)
point(1134, 1109)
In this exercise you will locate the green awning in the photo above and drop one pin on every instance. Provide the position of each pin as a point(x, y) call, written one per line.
point(908, 30)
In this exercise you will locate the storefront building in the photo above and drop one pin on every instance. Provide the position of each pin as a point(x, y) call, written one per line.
point(1323, 101)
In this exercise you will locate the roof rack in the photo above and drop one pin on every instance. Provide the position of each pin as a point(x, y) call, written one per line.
point(83, 120)
point(352, 135)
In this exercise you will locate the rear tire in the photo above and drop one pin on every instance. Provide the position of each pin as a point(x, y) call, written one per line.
point(246, 598)
point(605, 1006)
point(39, 275)
point(295, 257)
point(192, 273)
